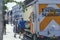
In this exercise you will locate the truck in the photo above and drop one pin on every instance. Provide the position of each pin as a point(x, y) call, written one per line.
point(44, 18)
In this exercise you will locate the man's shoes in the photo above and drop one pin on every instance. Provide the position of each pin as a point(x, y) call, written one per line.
point(19, 37)
point(14, 36)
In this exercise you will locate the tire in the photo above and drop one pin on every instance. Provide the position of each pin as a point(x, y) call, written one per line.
point(26, 38)
point(34, 37)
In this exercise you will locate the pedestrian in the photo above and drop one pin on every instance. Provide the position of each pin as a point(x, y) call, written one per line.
point(15, 27)
point(4, 27)
point(21, 27)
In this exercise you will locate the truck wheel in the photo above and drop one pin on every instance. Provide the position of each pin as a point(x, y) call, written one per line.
point(34, 37)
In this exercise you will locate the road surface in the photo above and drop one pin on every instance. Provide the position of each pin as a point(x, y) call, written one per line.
point(10, 35)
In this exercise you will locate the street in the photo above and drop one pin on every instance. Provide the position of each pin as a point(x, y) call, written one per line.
point(9, 33)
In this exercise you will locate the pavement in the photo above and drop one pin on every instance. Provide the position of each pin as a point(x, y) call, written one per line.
point(10, 34)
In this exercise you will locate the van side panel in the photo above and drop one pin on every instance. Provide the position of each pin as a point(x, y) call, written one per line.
point(49, 20)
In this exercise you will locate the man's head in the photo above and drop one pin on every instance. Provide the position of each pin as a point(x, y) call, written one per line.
point(22, 19)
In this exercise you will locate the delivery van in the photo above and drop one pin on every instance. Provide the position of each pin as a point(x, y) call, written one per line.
point(45, 18)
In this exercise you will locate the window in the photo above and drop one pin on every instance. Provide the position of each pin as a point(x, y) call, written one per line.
point(26, 2)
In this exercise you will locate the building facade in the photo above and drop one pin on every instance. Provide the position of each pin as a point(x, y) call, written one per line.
point(1, 21)
point(17, 11)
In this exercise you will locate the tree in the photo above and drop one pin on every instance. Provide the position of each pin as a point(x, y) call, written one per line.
point(5, 7)
point(6, 1)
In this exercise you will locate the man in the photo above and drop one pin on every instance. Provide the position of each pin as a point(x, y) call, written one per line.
point(15, 27)
point(4, 28)
point(21, 27)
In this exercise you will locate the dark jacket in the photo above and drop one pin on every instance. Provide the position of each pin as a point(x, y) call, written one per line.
point(22, 24)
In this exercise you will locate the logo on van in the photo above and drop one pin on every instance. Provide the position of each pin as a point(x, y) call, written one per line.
point(50, 12)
